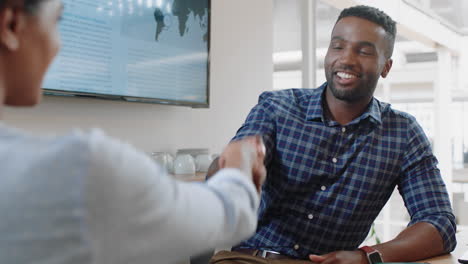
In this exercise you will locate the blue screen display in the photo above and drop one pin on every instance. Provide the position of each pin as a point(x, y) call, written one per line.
point(143, 50)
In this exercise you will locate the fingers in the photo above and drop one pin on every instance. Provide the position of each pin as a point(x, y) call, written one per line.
point(233, 155)
point(248, 155)
point(259, 170)
point(316, 258)
point(261, 149)
point(259, 174)
point(214, 167)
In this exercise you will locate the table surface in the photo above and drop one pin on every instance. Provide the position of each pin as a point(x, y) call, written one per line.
point(199, 176)
point(452, 258)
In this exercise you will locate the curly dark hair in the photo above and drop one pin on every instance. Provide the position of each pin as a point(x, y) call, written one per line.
point(378, 17)
point(30, 6)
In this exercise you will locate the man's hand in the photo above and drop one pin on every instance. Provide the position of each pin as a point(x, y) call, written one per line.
point(419, 241)
point(341, 257)
point(248, 155)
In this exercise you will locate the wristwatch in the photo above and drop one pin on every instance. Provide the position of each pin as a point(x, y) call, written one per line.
point(373, 255)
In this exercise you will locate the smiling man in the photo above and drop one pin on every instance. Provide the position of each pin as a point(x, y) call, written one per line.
point(335, 155)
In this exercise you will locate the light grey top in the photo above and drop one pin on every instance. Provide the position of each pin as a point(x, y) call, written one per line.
point(87, 198)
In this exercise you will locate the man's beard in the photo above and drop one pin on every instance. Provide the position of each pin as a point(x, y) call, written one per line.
point(352, 95)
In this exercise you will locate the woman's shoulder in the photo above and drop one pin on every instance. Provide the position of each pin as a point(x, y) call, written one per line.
point(78, 150)
point(70, 149)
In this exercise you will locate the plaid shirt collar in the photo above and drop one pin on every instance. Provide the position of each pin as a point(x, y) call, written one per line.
point(315, 110)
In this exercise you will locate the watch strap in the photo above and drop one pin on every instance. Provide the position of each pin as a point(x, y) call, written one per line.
point(372, 254)
point(367, 249)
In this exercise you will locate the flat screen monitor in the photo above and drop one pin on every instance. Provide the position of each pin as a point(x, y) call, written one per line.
point(153, 51)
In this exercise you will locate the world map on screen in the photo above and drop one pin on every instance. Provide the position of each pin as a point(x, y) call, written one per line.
point(181, 9)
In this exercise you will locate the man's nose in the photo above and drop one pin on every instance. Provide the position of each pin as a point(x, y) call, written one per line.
point(348, 57)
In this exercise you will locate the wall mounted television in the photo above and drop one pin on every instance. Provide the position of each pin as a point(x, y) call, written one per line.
point(154, 51)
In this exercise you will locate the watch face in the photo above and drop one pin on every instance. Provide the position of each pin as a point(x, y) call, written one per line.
point(375, 257)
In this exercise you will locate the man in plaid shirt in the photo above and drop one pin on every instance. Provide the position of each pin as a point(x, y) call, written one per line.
point(334, 156)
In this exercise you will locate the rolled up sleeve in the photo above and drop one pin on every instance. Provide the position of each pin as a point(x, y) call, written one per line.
point(423, 189)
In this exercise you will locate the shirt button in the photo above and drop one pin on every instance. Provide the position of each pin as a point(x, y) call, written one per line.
point(310, 216)
point(323, 188)
point(296, 247)
point(335, 160)
point(343, 129)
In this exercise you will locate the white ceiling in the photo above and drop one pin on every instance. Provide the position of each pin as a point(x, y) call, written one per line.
point(287, 36)
point(287, 20)
point(452, 12)
point(287, 24)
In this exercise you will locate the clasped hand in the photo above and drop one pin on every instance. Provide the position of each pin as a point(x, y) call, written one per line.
point(248, 155)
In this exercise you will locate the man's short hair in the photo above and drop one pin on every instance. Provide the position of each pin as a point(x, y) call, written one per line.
point(378, 17)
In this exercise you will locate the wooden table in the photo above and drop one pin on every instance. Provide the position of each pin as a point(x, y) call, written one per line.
point(452, 258)
point(199, 176)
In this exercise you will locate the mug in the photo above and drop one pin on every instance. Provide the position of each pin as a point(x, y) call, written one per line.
point(203, 162)
point(164, 159)
point(184, 164)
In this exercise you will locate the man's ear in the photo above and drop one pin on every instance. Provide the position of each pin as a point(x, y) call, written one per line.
point(11, 24)
point(387, 67)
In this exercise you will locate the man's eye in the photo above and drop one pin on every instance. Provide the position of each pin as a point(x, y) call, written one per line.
point(366, 52)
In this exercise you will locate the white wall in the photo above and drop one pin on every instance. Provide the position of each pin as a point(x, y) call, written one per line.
point(241, 68)
point(463, 82)
point(287, 25)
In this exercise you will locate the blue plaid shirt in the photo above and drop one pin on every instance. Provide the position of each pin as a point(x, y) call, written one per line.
point(327, 183)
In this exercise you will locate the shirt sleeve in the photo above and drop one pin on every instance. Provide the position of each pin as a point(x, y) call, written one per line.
point(139, 214)
point(260, 121)
point(423, 189)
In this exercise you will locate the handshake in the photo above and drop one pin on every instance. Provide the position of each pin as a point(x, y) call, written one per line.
point(247, 155)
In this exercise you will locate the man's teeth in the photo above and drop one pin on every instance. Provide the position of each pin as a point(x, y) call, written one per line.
point(344, 75)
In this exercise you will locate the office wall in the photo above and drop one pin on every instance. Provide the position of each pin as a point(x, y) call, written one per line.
point(241, 68)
